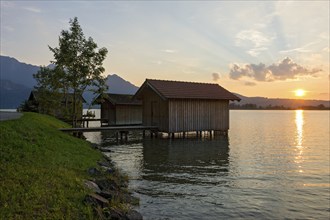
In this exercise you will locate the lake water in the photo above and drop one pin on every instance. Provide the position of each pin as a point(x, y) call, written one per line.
point(273, 165)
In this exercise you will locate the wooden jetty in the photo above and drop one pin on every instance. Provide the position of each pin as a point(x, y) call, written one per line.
point(120, 130)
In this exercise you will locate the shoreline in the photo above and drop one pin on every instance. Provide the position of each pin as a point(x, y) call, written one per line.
point(44, 174)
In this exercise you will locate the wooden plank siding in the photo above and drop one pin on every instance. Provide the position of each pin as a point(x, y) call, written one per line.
point(121, 114)
point(108, 112)
point(128, 115)
point(184, 115)
point(155, 110)
point(198, 115)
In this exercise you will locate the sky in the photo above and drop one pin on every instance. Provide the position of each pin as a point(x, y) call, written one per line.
point(254, 48)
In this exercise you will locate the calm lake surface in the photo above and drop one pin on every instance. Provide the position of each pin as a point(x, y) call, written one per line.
point(273, 165)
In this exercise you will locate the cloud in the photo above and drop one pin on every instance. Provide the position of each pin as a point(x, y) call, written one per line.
point(302, 49)
point(255, 40)
point(6, 4)
point(32, 9)
point(169, 51)
point(250, 83)
point(215, 76)
point(256, 51)
point(285, 69)
point(8, 28)
point(158, 62)
point(326, 49)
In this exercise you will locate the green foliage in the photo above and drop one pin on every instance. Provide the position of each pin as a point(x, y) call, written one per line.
point(42, 170)
point(78, 67)
point(28, 106)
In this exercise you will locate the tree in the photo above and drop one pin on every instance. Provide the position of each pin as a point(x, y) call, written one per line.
point(78, 66)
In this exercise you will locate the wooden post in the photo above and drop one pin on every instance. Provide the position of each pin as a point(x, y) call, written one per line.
point(173, 135)
point(121, 135)
point(117, 136)
point(184, 134)
point(151, 134)
point(144, 133)
point(126, 135)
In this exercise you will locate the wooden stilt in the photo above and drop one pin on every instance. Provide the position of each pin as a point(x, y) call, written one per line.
point(144, 133)
point(173, 135)
point(184, 135)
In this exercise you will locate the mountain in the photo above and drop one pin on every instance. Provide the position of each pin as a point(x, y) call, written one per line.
point(17, 72)
point(288, 103)
point(12, 94)
point(120, 86)
point(117, 85)
point(17, 82)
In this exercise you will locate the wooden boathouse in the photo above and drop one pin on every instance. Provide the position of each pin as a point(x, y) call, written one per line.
point(180, 107)
point(119, 109)
point(62, 111)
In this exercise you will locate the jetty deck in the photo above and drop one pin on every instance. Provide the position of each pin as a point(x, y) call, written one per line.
point(111, 128)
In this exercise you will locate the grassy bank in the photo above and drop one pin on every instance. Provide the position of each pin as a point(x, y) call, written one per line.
point(42, 170)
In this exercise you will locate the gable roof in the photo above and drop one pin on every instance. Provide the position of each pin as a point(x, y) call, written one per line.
point(34, 95)
point(118, 99)
point(187, 90)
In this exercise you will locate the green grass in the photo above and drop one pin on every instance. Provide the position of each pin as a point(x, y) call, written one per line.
point(42, 170)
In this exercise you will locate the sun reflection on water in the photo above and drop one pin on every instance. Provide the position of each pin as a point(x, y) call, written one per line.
point(299, 120)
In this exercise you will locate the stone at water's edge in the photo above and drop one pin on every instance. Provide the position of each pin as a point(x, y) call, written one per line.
point(107, 185)
point(134, 215)
point(93, 171)
point(93, 186)
point(96, 200)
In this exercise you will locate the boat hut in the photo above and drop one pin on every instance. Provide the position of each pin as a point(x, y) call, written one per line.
point(42, 104)
point(179, 107)
point(120, 109)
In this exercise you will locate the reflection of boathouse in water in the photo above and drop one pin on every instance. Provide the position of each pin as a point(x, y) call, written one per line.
point(191, 156)
point(180, 107)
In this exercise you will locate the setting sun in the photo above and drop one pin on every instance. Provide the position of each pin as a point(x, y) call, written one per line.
point(299, 92)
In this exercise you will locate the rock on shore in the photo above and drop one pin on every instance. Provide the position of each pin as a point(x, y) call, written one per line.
point(109, 195)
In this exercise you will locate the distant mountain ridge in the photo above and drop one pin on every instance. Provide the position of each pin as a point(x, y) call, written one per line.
point(17, 82)
point(17, 72)
point(118, 85)
point(288, 103)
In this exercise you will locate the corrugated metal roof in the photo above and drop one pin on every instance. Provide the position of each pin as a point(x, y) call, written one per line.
point(190, 90)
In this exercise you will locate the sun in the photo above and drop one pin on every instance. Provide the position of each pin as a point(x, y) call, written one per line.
point(300, 92)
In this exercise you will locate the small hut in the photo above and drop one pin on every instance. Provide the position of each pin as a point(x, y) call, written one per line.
point(175, 106)
point(43, 103)
point(120, 109)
